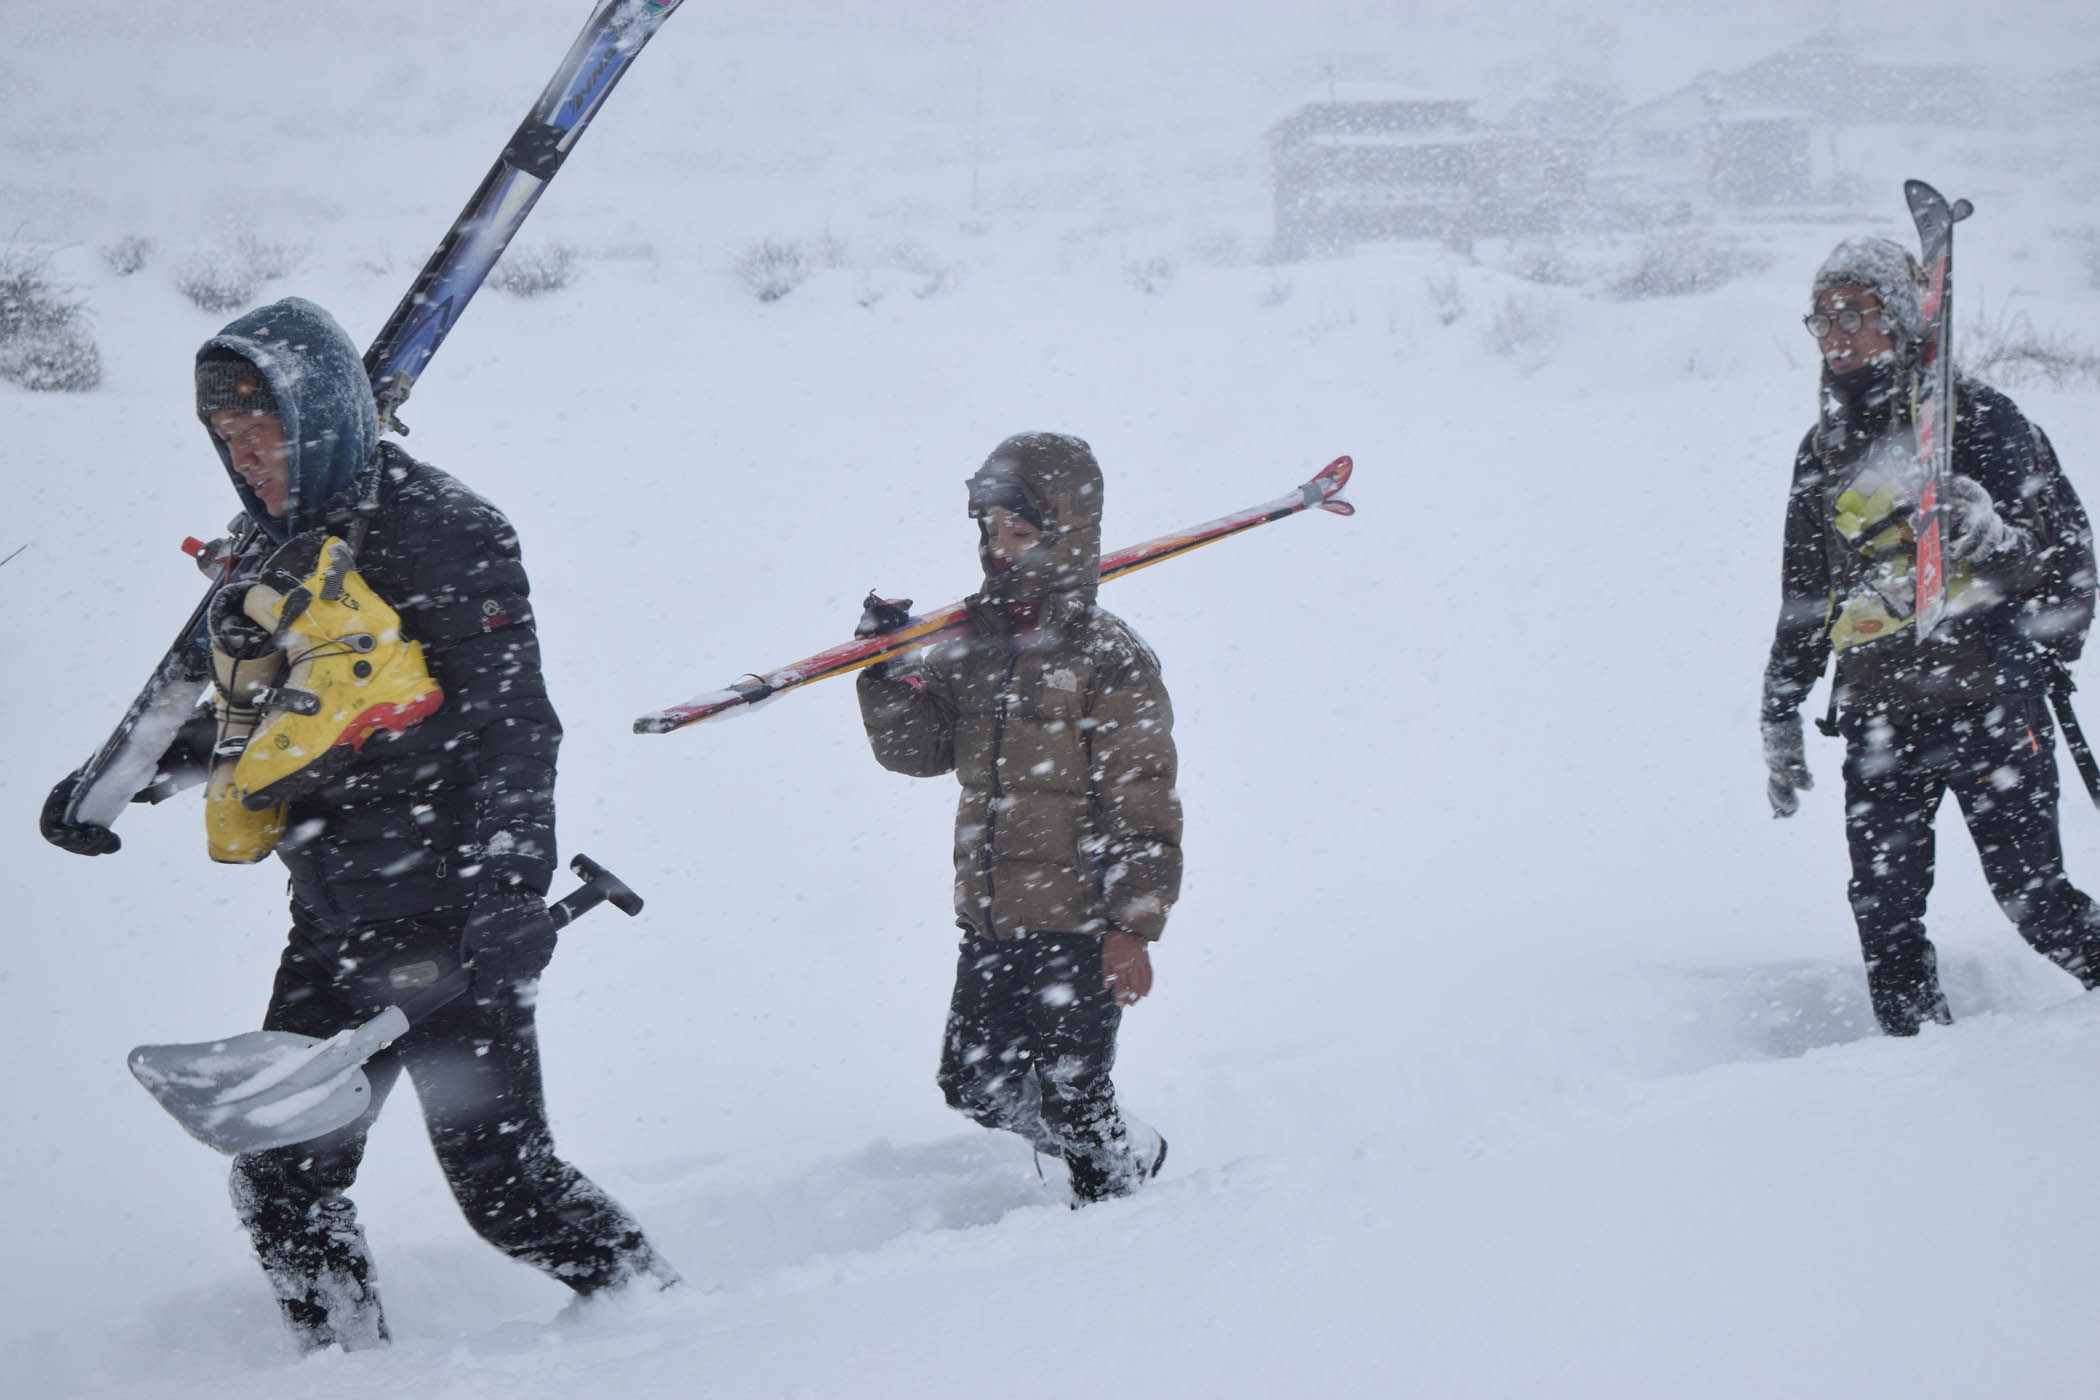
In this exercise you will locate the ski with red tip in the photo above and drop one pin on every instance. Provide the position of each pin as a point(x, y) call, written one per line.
point(1323, 492)
point(1932, 391)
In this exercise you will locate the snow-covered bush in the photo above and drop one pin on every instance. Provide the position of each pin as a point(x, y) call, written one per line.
point(228, 278)
point(216, 282)
point(44, 340)
point(2004, 349)
point(534, 271)
point(127, 255)
point(1447, 296)
point(1682, 262)
point(773, 267)
point(931, 275)
point(1151, 275)
point(1525, 325)
point(270, 262)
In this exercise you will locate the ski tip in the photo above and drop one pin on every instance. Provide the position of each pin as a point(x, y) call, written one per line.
point(661, 722)
point(1335, 475)
point(1961, 210)
point(1338, 506)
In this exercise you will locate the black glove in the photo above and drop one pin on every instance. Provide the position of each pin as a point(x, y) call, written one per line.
point(880, 615)
point(80, 838)
point(507, 943)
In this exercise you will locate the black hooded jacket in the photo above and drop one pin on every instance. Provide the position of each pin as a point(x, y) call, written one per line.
point(462, 803)
point(1828, 579)
point(420, 824)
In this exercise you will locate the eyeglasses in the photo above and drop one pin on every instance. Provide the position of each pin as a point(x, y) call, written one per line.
point(1849, 321)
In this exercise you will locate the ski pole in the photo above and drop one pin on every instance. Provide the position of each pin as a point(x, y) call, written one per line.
point(2074, 739)
point(1323, 492)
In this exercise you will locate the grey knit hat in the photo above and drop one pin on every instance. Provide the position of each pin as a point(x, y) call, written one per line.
point(1885, 268)
point(226, 381)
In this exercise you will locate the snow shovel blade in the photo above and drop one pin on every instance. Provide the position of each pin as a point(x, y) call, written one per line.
point(265, 1089)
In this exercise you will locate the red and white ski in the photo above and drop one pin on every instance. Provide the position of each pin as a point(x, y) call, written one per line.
point(1932, 390)
point(1323, 492)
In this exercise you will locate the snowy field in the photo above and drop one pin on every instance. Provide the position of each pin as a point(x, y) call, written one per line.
point(1506, 1045)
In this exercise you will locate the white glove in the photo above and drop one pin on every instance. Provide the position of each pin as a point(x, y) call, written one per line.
point(1975, 530)
point(1786, 764)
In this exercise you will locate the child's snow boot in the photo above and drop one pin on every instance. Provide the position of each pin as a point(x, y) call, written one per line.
point(352, 672)
point(1130, 1155)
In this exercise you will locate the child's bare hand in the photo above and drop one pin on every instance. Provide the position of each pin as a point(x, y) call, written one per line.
point(1126, 966)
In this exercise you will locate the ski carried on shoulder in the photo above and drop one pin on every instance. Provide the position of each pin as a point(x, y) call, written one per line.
point(1932, 391)
point(1323, 492)
point(616, 31)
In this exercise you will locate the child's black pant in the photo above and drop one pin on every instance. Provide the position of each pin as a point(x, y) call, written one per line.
point(1030, 1043)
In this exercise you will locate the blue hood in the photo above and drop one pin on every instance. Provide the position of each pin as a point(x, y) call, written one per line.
point(331, 426)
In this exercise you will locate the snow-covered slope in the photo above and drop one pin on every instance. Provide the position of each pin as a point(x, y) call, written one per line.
point(1506, 1045)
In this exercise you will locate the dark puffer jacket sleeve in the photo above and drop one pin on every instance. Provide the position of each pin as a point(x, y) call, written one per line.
point(1800, 645)
point(1137, 815)
point(475, 620)
point(911, 730)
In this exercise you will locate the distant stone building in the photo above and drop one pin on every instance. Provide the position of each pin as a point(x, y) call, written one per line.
point(1764, 134)
point(1362, 164)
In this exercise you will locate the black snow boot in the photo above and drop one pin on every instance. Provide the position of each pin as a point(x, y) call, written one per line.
point(1905, 989)
point(318, 1266)
point(1128, 1159)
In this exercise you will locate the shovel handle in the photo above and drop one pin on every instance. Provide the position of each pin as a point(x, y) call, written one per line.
point(600, 886)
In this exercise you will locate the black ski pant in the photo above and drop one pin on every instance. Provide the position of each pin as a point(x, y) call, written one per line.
point(475, 1065)
point(1999, 761)
point(1030, 1042)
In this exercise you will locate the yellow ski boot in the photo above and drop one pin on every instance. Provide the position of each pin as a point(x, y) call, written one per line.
point(352, 673)
point(235, 834)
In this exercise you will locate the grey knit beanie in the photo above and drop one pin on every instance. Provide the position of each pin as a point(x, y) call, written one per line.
point(1885, 268)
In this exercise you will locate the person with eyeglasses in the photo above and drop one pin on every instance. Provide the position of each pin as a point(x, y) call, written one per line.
point(1965, 709)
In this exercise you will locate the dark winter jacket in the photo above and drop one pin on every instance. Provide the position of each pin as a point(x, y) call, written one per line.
point(324, 400)
point(462, 802)
point(419, 825)
point(1062, 738)
point(1846, 570)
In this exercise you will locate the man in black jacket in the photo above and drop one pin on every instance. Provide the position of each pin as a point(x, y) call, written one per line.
point(411, 797)
point(1965, 710)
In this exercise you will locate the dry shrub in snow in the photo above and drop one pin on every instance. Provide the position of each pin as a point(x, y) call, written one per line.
point(44, 341)
point(2005, 350)
point(1151, 275)
point(127, 255)
point(531, 272)
point(216, 282)
point(1447, 296)
point(228, 279)
point(1525, 326)
point(1682, 262)
point(773, 267)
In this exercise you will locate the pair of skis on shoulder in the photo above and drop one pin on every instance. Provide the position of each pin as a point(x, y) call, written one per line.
point(125, 764)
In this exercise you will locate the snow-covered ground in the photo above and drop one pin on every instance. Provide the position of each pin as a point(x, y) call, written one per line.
point(1506, 1045)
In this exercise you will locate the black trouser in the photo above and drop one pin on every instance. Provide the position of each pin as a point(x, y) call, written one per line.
point(1999, 760)
point(1031, 1040)
point(476, 1068)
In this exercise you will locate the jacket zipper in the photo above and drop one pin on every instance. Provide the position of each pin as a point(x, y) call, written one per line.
point(991, 815)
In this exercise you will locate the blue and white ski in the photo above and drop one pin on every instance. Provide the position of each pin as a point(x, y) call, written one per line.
point(616, 31)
